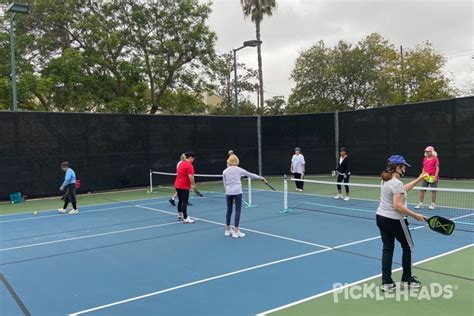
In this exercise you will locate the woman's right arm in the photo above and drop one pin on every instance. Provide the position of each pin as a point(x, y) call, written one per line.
point(399, 205)
point(247, 174)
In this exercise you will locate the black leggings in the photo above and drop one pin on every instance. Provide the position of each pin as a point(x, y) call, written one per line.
point(70, 196)
point(183, 197)
point(340, 179)
point(391, 229)
point(238, 208)
point(299, 184)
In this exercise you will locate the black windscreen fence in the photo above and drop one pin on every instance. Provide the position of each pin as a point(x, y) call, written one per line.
point(112, 151)
point(373, 135)
point(314, 133)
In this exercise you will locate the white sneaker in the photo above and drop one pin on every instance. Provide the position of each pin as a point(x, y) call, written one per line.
point(418, 206)
point(73, 212)
point(432, 206)
point(347, 198)
point(299, 190)
point(389, 288)
point(238, 234)
point(228, 233)
point(63, 211)
point(339, 196)
point(189, 220)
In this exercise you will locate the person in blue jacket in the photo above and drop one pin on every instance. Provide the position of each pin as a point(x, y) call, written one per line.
point(69, 185)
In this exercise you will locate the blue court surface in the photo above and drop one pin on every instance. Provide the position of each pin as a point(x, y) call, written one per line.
point(135, 258)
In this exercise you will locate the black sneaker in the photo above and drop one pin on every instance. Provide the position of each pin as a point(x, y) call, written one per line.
point(413, 283)
point(189, 204)
point(388, 287)
point(172, 202)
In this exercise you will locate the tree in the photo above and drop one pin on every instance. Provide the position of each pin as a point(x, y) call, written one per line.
point(182, 102)
point(424, 78)
point(367, 74)
point(119, 56)
point(222, 79)
point(256, 10)
point(275, 105)
point(172, 42)
point(315, 82)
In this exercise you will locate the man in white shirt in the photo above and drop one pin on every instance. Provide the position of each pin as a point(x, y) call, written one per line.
point(297, 168)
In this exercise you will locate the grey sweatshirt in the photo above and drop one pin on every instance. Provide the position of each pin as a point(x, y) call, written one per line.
point(232, 179)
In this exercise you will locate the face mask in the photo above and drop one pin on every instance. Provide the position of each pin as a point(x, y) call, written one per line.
point(402, 172)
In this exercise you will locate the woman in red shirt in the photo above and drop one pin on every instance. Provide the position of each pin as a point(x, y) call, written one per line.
point(183, 184)
point(430, 166)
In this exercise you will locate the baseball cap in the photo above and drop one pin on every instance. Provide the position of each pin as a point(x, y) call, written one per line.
point(398, 160)
point(429, 148)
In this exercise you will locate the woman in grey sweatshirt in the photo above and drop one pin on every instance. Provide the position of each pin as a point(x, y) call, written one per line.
point(233, 189)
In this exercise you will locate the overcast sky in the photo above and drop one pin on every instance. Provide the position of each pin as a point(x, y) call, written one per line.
point(298, 24)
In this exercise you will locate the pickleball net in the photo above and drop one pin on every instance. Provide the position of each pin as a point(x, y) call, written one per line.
point(210, 185)
point(322, 196)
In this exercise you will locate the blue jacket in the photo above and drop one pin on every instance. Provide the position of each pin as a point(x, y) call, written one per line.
point(69, 178)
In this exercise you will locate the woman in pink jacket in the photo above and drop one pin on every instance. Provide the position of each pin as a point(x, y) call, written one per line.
point(430, 166)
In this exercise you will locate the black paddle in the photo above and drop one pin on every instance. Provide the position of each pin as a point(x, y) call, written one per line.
point(197, 192)
point(269, 185)
point(441, 225)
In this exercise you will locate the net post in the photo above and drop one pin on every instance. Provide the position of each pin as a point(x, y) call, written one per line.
point(151, 181)
point(250, 190)
point(285, 195)
point(249, 203)
point(336, 134)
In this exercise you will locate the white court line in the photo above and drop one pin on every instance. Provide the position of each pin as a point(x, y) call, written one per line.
point(199, 282)
point(357, 282)
point(87, 236)
point(241, 228)
point(326, 248)
point(89, 205)
point(215, 278)
point(37, 217)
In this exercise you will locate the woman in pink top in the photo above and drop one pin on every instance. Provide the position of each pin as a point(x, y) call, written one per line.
point(430, 166)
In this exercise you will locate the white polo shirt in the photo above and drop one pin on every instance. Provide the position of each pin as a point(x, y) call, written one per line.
point(297, 163)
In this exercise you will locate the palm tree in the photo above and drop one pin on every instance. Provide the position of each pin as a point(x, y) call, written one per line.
point(257, 9)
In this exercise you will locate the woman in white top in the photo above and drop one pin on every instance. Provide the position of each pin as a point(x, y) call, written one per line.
point(173, 198)
point(233, 189)
point(298, 168)
point(392, 222)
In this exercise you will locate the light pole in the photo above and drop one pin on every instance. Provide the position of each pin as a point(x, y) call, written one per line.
point(15, 8)
point(251, 43)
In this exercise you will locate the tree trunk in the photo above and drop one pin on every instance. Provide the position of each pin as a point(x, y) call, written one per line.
point(260, 67)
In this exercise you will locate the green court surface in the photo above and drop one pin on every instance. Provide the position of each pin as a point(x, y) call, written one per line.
point(277, 181)
point(421, 302)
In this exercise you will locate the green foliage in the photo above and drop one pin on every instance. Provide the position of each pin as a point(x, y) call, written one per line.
point(182, 102)
point(365, 75)
point(119, 56)
point(275, 105)
point(246, 107)
point(257, 10)
point(222, 81)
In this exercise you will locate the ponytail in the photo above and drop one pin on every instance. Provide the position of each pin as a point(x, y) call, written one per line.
point(387, 174)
